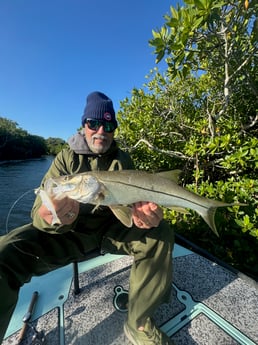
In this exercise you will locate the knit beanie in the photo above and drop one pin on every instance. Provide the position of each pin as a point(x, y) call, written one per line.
point(99, 107)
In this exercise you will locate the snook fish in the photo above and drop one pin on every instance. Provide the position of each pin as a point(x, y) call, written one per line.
point(120, 189)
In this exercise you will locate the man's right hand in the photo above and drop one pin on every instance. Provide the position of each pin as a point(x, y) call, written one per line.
point(67, 211)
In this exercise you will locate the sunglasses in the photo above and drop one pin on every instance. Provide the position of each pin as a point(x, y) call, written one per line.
point(94, 125)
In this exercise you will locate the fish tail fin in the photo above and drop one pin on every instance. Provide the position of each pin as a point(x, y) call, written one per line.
point(209, 217)
point(208, 214)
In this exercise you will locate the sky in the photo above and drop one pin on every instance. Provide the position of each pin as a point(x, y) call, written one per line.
point(53, 53)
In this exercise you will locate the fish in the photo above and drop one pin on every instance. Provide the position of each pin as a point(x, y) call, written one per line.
point(119, 190)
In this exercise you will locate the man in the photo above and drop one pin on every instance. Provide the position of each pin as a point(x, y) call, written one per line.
point(37, 248)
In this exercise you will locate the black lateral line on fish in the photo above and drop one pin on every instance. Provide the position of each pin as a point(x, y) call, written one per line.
point(160, 192)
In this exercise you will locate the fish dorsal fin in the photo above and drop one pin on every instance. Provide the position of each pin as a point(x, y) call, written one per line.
point(123, 213)
point(170, 175)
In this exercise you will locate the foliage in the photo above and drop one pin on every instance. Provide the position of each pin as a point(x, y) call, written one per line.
point(16, 143)
point(237, 225)
point(197, 36)
point(55, 145)
point(218, 38)
point(201, 116)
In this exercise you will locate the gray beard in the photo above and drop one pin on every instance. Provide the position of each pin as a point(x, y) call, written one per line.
point(99, 149)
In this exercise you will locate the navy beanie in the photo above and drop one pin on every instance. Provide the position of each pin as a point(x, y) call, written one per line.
point(99, 107)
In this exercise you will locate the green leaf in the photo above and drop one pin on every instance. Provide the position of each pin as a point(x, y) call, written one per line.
point(200, 4)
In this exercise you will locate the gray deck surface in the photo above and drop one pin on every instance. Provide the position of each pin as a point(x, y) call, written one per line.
point(209, 305)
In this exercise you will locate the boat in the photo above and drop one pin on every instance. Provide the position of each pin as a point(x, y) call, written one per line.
point(86, 303)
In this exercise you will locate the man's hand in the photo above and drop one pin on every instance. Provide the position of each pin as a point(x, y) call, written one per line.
point(67, 211)
point(147, 215)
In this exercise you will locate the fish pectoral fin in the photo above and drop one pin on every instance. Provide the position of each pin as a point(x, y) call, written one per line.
point(172, 175)
point(49, 205)
point(124, 214)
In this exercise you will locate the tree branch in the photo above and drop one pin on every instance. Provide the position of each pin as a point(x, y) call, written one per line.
point(156, 149)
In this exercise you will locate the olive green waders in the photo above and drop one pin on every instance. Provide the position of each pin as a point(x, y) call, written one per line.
point(27, 252)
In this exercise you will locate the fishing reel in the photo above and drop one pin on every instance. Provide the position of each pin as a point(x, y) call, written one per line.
point(38, 338)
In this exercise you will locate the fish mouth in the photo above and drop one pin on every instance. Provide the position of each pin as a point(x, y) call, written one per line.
point(86, 189)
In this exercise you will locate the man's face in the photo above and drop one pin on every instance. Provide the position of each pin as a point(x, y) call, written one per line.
point(97, 139)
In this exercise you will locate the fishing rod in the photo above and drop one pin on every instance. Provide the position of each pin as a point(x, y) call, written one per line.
point(38, 338)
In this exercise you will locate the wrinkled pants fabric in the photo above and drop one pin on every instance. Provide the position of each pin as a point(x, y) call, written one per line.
point(26, 252)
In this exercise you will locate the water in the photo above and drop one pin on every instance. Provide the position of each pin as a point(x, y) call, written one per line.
point(18, 180)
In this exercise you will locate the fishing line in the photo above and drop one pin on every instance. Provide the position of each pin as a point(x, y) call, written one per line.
point(12, 207)
point(7, 231)
point(7, 221)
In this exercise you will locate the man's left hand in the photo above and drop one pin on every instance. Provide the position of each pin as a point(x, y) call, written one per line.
point(147, 215)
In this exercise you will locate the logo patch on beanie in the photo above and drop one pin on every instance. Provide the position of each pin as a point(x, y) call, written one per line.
point(107, 116)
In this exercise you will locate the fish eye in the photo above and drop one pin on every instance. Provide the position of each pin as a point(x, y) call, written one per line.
point(67, 178)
